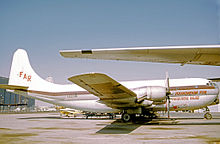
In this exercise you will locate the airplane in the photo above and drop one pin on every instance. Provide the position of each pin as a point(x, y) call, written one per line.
point(97, 92)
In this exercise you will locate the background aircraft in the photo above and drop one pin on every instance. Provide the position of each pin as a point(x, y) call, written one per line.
point(97, 92)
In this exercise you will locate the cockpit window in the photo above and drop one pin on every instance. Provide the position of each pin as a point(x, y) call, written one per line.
point(209, 83)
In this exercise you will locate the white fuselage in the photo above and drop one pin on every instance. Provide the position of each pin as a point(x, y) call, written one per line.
point(186, 94)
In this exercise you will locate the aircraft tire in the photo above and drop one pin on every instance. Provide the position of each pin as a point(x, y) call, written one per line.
point(208, 116)
point(126, 117)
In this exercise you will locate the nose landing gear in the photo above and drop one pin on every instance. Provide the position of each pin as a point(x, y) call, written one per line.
point(207, 114)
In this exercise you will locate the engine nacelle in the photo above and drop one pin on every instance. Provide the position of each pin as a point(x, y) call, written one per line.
point(153, 93)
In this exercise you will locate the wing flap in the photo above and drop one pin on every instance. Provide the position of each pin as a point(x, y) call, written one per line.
point(110, 92)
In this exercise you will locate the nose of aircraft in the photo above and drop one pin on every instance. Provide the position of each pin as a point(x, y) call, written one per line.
point(217, 92)
point(218, 98)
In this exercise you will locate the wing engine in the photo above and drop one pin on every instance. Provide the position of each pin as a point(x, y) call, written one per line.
point(152, 93)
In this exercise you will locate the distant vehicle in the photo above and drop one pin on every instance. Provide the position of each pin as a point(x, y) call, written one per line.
point(69, 112)
point(97, 92)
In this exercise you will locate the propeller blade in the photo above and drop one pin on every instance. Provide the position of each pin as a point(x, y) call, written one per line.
point(167, 84)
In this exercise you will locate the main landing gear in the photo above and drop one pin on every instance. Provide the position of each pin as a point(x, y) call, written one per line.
point(207, 115)
point(127, 117)
point(146, 115)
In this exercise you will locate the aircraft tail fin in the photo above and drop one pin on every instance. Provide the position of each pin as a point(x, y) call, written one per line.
point(21, 73)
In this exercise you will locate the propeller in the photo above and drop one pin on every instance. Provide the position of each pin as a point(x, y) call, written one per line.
point(167, 84)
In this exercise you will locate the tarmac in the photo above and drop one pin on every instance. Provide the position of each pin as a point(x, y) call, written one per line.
point(52, 128)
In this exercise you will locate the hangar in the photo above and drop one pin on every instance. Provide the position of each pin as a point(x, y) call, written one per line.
point(11, 102)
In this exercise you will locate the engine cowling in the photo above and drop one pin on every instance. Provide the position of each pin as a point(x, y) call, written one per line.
point(153, 93)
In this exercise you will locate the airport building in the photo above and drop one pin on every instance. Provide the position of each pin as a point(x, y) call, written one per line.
point(11, 102)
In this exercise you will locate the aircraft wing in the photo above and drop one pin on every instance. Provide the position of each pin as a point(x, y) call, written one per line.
point(110, 92)
point(13, 87)
point(214, 79)
point(199, 55)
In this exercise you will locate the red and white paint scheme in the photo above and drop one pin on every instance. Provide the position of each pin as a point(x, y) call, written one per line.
point(97, 92)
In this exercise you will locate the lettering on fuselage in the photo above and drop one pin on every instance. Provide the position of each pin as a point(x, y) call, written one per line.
point(71, 96)
point(203, 92)
point(185, 98)
point(25, 76)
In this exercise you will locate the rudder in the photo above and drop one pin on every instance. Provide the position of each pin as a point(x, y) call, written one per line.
point(21, 73)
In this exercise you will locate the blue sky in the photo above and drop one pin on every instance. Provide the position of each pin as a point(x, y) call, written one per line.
point(43, 27)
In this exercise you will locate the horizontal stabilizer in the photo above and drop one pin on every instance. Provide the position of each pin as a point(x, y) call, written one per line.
point(13, 87)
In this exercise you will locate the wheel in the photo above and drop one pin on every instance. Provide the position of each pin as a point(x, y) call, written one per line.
point(126, 117)
point(208, 116)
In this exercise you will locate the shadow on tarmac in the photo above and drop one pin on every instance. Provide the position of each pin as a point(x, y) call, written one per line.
point(119, 127)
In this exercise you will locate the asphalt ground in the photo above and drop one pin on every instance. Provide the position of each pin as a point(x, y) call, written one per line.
point(52, 128)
